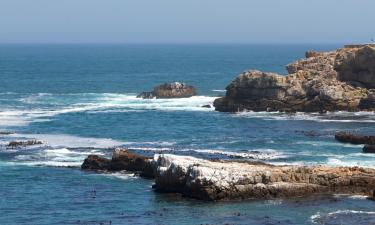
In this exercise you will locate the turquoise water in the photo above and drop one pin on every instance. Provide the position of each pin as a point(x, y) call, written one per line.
point(80, 100)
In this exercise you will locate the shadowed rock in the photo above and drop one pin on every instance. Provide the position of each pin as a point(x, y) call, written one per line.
point(369, 149)
point(122, 159)
point(323, 81)
point(170, 90)
point(355, 139)
point(94, 162)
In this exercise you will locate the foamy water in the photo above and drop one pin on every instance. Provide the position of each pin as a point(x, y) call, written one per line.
point(341, 116)
point(48, 105)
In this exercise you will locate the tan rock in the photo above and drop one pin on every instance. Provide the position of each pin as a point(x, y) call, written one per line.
point(324, 81)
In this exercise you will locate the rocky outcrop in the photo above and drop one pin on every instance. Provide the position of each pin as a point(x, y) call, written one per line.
point(170, 90)
point(122, 159)
point(323, 81)
point(216, 180)
point(355, 139)
point(18, 144)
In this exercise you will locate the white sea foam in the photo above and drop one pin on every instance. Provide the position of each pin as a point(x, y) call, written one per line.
point(340, 116)
point(316, 217)
point(350, 162)
point(118, 175)
point(60, 157)
point(94, 103)
point(260, 154)
point(360, 197)
point(326, 143)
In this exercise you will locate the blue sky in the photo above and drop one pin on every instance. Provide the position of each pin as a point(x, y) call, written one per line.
point(187, 21)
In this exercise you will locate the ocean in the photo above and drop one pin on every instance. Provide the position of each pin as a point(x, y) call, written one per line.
point(81, 99)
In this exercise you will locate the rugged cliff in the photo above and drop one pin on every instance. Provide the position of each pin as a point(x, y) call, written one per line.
point(343, 79)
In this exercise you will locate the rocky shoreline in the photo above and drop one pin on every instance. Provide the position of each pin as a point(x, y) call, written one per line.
point(343, 79)
point(230, 180)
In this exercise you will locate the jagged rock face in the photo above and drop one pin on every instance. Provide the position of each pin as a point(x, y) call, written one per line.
point(216, 180)
point(311, 86)
point(170, 90)
point(357, 67)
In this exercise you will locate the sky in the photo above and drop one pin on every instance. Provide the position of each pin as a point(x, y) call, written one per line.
point(187, 21)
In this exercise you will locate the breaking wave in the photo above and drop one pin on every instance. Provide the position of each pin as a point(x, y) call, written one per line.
point(344, 217)
point(42, 106)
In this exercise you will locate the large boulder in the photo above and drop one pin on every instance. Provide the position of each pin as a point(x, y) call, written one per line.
point(216, 180)
point(314, 84)
point(170, 90)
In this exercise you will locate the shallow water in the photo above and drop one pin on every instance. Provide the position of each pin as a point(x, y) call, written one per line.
point(80, 100)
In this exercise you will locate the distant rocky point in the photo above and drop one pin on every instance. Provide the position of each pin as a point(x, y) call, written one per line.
point(343, 79)
point(170, 90)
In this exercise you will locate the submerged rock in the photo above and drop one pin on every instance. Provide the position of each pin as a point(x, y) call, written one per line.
point(216, 180)
point(324, 81)
point(355, 139)
point(17, 144)
point(122, 159)
point(170, 90)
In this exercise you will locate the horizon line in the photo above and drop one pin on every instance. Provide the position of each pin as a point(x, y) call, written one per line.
point(183, 43)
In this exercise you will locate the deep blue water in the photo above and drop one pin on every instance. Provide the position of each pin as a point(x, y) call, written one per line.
point(78, 96)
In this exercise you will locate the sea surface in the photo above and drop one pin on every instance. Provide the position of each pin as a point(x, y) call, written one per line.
point(81, 100)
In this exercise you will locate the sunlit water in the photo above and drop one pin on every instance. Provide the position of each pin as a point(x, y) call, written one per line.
point(81, 100)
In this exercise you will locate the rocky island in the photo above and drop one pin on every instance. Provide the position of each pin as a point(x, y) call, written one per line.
point(343, 79)
point(226, 180)
point(170, 90)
